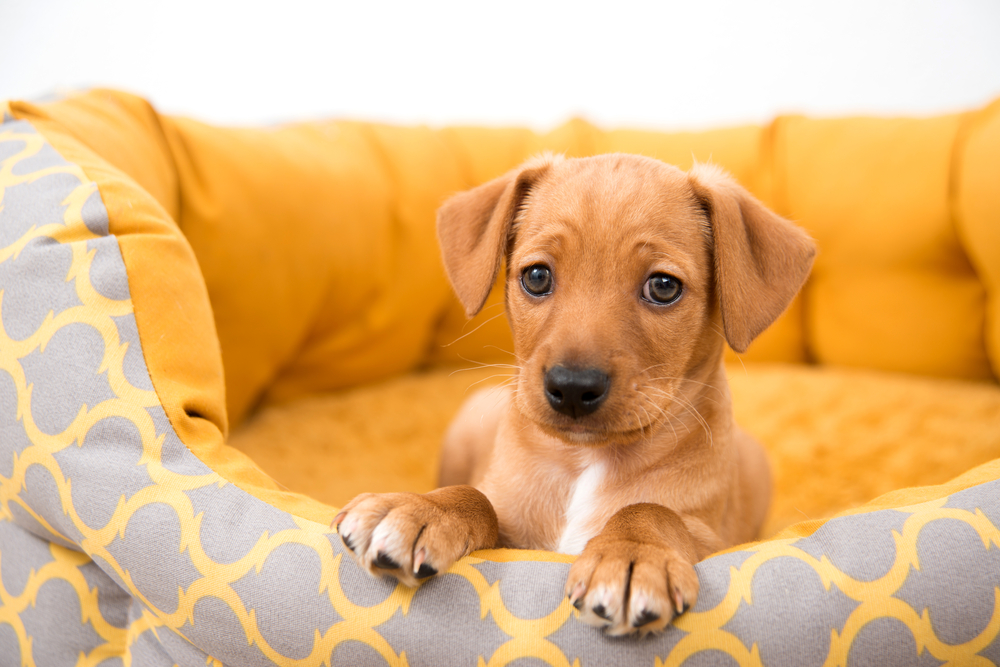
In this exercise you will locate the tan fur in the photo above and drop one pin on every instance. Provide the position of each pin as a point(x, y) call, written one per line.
point(666, 476)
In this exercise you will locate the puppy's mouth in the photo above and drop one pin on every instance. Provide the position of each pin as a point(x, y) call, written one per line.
point(596, 436)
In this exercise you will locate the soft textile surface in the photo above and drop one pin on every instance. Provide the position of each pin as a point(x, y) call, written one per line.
point(132, 533)
point(848, 436)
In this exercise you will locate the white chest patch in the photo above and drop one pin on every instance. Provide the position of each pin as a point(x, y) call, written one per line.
point(580, 511)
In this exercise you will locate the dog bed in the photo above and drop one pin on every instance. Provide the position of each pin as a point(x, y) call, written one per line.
point(140, 254)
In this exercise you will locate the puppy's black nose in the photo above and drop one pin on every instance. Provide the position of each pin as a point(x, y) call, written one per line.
point(576, 392)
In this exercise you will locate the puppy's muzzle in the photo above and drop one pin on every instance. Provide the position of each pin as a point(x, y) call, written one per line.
point(576, 392)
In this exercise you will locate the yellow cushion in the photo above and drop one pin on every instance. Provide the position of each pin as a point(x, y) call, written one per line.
point(892, 287)
point(976, 203)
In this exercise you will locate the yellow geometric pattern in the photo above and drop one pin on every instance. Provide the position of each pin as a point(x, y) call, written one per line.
point(245, 633)
point(875, 597)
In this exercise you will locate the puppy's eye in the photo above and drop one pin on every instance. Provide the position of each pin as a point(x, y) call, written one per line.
point(537, 280)
point(661, 288)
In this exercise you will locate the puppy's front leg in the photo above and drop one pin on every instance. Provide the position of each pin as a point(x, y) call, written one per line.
point(413, 536)
point(638, 573)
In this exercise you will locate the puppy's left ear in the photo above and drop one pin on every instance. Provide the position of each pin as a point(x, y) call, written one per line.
point(761, 259)
point(474, 229)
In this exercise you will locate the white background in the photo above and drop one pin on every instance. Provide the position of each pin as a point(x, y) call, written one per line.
point(649, 64)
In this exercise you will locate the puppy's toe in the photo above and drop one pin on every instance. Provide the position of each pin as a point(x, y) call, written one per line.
point(606, 602)
point(381, 531)
point(628, 587)
point(682, 582)
point(402, 535)
point(650, 608)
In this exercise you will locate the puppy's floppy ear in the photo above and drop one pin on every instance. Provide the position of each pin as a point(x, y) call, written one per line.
point(474, 228)
point(761, 259)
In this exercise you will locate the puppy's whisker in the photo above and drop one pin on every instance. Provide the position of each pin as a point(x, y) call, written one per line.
point(666, 418)
point(740, 359)
point(652, 422)
point(498, 375)
point(678, 401)
point(680, 379)
point(500, 349)
point(479, 368)
point(498, 304)
point(670, 396)
point(701, 420)
point(483, 363)
point(481, 325)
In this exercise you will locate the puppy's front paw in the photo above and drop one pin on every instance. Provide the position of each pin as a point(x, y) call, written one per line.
point(409, 536)
point(628, 586)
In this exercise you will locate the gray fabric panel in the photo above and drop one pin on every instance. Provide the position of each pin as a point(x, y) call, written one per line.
point(887, 642)
point(10, 647)
point(992, 652)
point(34, 203)
point(956, 581)
point(113, 602)
point(181, 650)
point(352, 653)
point(107, 268)
point(54, 624)
point(155, 529)
point(45, 157)
point(111, 662)
point(34, 284)
point(868, 559)
point(94, 215)
point(290, 622)
point(11, 147)
point(446, 606)
point(114, 443)
point(984, 497)
point(41, 493)
point(21, 553)
point(233, 521)
point(23, 519)
point(791, 614)
point(712, 658)
point(110, 572)
point(362, 591)
point(529, 590)
point(577, 640)
point(65, 377)
point(216, 625)
point(133, 366)
point(147, 651)
point(713, 578)
point(527, 662)
point(13, 438)
point(174, 454)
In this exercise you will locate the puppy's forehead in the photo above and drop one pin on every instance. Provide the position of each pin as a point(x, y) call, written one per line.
point(614, 194)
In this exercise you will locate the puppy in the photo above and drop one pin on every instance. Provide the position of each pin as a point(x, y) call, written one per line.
point(616, 440)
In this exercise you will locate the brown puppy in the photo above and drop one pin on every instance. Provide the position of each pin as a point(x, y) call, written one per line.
point(617, 439)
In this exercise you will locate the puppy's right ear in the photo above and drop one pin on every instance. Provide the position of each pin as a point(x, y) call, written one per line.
point(474, 229)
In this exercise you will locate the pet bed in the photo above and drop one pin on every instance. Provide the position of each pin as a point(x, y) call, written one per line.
point(140, 254)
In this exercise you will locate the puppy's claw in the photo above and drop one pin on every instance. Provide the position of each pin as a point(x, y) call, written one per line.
point(644, 617)
point(679, 604)
point(385, 562)
point(601, 611)
point(425, 571)
point(576, 595)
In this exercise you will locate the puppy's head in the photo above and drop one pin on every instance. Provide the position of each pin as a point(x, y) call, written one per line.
point(622, 272)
